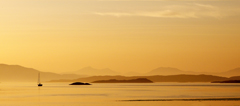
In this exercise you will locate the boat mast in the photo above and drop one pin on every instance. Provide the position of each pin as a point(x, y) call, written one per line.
point(39, 77)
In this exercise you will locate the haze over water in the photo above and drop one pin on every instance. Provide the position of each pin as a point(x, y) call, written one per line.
point(117, 37)
point(62, 94)
point(122, 35)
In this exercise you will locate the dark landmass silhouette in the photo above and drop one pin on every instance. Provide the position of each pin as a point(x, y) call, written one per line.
point(16, 73)
point(156, 78)
point(234, 78)
point(138, 80)
point(186, 78)
point(200, 99)
point(228, 81)
point(79, 83)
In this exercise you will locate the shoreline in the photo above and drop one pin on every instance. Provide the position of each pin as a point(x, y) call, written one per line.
point(199, 99)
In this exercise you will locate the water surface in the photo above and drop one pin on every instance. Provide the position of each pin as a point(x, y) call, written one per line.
point(174, 94)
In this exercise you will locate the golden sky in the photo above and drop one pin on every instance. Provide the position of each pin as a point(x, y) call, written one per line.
point(123, 35)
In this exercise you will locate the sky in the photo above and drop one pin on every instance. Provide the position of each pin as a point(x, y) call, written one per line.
point(123, 35)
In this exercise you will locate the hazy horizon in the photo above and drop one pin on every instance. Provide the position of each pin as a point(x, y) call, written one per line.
point(70, 52)
point(92, 71)
point(122, 35)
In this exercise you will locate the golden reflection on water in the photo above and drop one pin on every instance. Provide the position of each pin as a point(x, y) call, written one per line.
point(62, 94)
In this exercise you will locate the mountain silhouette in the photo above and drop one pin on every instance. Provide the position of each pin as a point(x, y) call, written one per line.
point(156, 78)
point(168, 71)
point(17, 73)
point(175, 71)
point(230, 73)
point(132, 73)
point(93, 72)
point(93, 78)
point(89, 71)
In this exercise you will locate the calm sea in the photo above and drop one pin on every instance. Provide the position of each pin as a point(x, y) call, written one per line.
point(62, 94)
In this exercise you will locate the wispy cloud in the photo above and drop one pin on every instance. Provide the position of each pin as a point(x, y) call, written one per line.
point(173, 11)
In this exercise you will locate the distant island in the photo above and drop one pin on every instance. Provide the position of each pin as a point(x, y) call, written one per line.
point(228, 81)
point(79, 83)
point(138, 80)
point(156, 78)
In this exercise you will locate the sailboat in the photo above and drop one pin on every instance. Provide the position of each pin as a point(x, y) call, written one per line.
point(39, 83)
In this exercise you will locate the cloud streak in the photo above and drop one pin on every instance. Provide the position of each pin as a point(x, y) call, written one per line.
point(172, 11)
